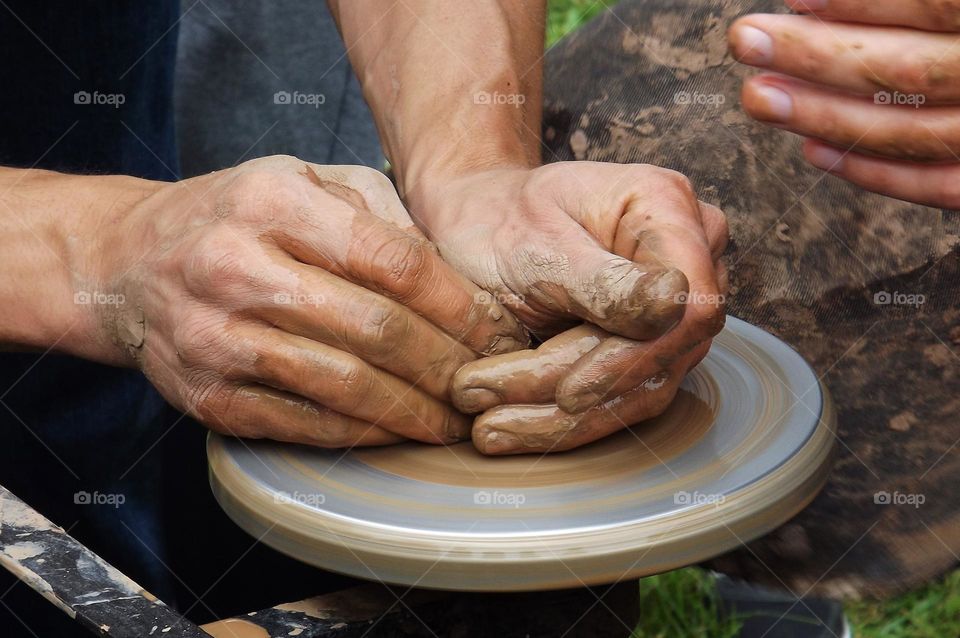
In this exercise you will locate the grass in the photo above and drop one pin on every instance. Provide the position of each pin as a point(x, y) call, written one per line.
point(563, 16)
point(930, 612)
point(681, 604)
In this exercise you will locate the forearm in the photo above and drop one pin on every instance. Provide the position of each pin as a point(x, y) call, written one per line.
point(454, 87)
point(51, 267)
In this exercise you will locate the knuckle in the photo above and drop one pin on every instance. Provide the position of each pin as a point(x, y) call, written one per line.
point(377, 179)
point(212, 402)
point(216, 261)
point(917, 72)
point(336, 433)
point(403, 263)
point(383, 326)
point(259, 193)
point(707, 318)
point(200, 340)
point(353, 382)
point(676, 180)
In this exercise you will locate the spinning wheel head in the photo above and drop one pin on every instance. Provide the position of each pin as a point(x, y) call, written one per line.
point(747, 443)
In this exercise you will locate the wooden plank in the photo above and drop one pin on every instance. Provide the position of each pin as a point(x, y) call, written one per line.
point(77, 581)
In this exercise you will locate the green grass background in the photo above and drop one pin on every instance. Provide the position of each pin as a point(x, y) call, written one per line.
point(681, 604)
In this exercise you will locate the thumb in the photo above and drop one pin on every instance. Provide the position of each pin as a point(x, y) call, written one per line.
point(639, 300)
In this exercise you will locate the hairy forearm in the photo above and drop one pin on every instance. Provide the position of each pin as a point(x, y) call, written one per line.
point(454, 87)
point(52, 233)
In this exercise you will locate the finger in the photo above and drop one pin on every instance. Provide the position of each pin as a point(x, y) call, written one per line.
point(585, 280)
point(921, 14)
point(406, 268)
point(923, 135)
point(346, 384)
point(854, 58)
point(528, 376)
point(937, 186)
point(618, 364)
point(715, 229)
point(256, 411)
point(518, 429)
point(325, 308)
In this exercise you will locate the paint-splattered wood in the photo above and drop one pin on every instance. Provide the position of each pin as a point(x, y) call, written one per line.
point(375, 611)
point(79, 582)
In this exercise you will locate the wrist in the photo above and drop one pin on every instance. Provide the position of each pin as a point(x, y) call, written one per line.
point(444, 199)
point(61, 259)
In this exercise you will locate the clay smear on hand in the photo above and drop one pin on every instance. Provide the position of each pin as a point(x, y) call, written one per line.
point(528, 376)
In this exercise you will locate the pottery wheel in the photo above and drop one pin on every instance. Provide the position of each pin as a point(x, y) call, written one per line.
point(747, 443)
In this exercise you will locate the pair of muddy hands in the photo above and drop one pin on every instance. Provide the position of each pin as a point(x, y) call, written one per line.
point(300, 302)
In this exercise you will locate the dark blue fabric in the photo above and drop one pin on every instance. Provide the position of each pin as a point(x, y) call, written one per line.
point(70, 426)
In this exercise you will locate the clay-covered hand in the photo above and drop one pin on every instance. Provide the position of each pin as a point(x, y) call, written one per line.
point(517, 392)
point(297, 302)
point(629, 249)
point(872, 84)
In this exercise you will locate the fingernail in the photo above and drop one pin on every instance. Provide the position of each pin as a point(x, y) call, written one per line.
point(500, 443)
point(774, 104)
point(752, 46)
point(825, 158)
point(473, 400)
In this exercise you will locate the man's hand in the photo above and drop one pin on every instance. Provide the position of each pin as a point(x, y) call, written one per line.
point(878, 77)
point(292, 301)
point(628, 248)
point(456, 90)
